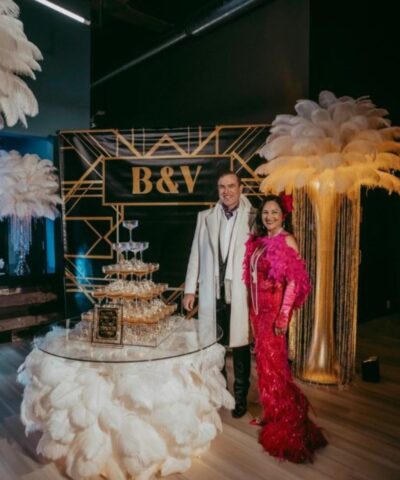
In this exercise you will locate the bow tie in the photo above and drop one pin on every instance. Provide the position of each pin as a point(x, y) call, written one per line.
point(228, 213)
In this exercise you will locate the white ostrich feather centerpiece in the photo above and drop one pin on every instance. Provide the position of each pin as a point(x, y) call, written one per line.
point(28, 186)
point(28, 189)
point(18, 56)
point(337, 145)
point(123, 420)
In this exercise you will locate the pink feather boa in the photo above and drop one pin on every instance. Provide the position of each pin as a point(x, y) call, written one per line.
point(285, 264)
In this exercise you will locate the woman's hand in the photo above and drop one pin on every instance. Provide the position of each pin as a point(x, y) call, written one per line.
point(282, 321)
point(280, 330)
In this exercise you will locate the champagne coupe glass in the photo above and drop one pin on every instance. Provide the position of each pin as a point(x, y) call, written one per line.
point(125, 249)
point(154, 268)
point(134, 248)
point(130, 225)
point(144, 246)
point(107, 270)
point(118, 247)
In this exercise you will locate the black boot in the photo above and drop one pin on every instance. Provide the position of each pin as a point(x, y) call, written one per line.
point(224, 372)
point(223, 321)
point(241, 369)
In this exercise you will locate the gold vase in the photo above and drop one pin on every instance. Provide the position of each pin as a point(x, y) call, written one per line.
point(321, 364)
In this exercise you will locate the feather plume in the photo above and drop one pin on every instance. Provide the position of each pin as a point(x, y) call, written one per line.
point(307, 129)
point(320, 117)
point(305, 108)
point(175, 465)
point(135, 392)
point(59, 427)
point(341, 142)
point(390, 133)
point(327, 161)
point(388, 146)
point(88, 453)
point(387, 181)
point(50, 448)
point(18, 56)
point(8, 7)
point(326, 98)
point(95, 394)
point(206, 433)
point(179, 420)
point(304, 177)
point(138, 439)
point(65, 395)
point(27, 412)
point(386, 161)
point(112, 417)
point(98, 428)
point(215, 419)
point(81, 417)
point(28, 186)
point(278, 147)
point(50, 371)
point(132, 465)
point(113, 471)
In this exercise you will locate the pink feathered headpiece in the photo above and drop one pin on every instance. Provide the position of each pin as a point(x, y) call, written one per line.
point(287, 202)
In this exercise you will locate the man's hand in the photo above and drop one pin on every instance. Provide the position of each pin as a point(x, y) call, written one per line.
point(188, 301)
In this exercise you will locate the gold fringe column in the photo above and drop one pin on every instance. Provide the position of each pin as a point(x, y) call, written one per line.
point(322, 337)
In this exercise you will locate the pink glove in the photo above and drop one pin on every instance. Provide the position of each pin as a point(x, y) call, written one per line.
point(289, 296)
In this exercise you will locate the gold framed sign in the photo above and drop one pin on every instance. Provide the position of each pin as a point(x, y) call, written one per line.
point(107, 325)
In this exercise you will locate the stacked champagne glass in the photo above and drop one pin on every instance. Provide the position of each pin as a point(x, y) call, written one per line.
point(131, 284)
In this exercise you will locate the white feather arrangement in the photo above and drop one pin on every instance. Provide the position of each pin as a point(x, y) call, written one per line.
point(338, 144)
point(18, 56)
point(99, 428)
point(28, 186)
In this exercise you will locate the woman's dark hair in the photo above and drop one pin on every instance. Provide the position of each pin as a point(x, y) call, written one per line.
point(259, 229)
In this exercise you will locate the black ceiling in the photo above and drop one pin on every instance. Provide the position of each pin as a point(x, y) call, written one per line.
point(124, 29)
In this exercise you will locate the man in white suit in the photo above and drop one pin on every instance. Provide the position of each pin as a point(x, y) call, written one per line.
point(216, 264)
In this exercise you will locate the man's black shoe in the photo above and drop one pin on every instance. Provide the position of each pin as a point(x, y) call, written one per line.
point(239, 410)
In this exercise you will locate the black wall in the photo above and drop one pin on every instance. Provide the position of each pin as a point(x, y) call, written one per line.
point(353, 51)
point(63, 87)
point(246, 71)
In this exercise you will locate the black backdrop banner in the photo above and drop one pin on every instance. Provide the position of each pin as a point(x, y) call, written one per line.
point(170, 180)
point(162, 178)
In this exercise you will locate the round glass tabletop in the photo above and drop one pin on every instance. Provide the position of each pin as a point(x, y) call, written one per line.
point(190, 337)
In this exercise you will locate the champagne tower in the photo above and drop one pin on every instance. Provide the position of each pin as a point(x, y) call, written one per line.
point(129, 287)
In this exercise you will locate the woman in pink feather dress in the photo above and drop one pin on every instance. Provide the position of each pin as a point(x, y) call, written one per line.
point(278, 282)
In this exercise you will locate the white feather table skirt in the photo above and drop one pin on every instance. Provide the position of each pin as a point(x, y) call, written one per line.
point(124, 420)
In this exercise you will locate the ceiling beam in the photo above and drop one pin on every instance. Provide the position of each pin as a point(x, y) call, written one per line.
point(219, 16)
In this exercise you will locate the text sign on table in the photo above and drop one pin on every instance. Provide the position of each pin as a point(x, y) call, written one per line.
point(107, 325)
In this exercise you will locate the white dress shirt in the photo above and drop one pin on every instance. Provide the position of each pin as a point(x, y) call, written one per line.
point(225, 232)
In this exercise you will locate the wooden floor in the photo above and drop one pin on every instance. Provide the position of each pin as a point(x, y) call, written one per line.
point(361, 422)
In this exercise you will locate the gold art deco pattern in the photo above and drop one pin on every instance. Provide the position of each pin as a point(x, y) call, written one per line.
point(83, 155)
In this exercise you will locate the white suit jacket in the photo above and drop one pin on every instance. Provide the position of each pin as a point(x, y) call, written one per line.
point(203, 269)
